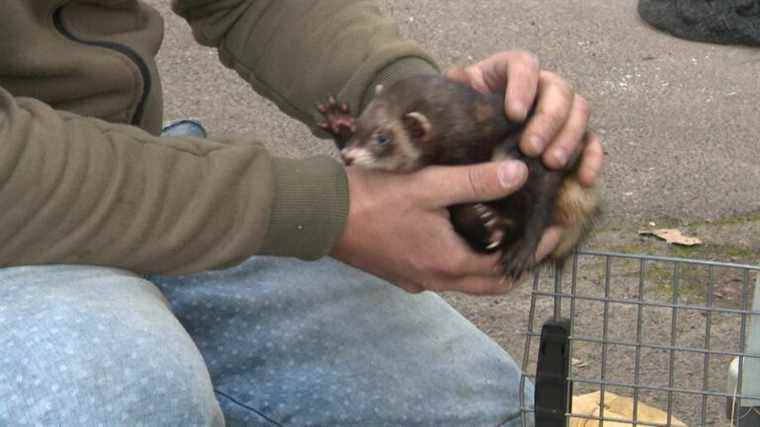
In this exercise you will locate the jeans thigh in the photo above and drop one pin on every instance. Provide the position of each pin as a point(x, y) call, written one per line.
point(96, 346)
point(321, 343)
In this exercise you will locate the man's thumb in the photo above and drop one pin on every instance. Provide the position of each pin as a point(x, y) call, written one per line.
point(450, 185)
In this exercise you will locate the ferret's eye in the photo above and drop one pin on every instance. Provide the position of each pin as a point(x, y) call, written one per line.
point(382, 139)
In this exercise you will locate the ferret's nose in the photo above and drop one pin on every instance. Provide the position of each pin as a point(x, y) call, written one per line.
point(347, 159)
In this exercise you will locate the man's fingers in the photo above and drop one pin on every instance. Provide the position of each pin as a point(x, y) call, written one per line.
point(443, 186)
point(522, 77)
point(470, 263)
point(591, 160)
point(567, 144)
point(497, 283)
point(410, 287)
point(549, 242)
point(555, 99)
point(458, 74)
point(471, 76)
point(475, 285)
point(516, 71)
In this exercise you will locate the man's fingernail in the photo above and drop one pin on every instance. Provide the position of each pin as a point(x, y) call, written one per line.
point(536, 144)
point(561, 156)
point(519, 110)
point(512, 173)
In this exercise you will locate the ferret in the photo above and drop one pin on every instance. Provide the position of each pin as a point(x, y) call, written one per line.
point(430, 120)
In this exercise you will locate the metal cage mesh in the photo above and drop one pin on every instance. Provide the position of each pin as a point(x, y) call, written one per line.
point(661, 331)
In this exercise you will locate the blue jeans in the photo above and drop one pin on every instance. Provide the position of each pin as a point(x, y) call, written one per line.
point(274, 341)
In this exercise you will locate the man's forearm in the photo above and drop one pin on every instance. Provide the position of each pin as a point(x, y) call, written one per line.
point(296, 52)
point(80, 190)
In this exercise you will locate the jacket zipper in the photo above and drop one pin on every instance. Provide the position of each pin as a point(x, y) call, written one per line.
point(124, 50)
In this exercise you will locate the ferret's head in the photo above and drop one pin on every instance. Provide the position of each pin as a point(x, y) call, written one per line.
point(387, 138)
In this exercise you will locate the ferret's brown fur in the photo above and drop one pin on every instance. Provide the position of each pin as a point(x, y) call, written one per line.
point(429, 120)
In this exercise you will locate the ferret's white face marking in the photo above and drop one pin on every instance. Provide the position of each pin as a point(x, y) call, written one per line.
point(364, 157)
point(358, 156)
point(407, 154)
point(386, 147)
point(382, 139)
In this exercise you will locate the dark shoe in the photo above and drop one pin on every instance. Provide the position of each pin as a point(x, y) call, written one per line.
point(713, 21)
point(185, 127)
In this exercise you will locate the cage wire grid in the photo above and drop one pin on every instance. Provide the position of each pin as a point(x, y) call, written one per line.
point(661, 331)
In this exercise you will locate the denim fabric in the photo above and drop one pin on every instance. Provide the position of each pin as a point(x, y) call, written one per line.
point(324, 344)
point(88, 346)
point(285, 342)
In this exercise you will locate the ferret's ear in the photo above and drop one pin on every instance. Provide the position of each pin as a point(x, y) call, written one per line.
point(378, 89)
point(418, 125)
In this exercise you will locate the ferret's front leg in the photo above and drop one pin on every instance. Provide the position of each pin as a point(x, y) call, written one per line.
point(338, 121)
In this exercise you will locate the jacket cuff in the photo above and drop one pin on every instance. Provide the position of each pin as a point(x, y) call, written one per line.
point(309, 209)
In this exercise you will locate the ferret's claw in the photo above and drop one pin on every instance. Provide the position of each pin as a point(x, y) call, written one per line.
point(496, 238)
point(492, 225)
point(486, 214)
point(519, 258)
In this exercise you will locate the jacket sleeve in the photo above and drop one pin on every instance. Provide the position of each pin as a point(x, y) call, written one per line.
point(297, 52)
point(80, 190)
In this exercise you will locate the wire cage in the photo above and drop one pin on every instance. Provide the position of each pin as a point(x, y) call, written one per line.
point(653, 341)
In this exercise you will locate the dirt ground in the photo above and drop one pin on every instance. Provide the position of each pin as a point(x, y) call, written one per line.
point(680, 124)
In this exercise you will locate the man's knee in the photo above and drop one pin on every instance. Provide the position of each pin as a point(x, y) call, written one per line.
point(89, 346)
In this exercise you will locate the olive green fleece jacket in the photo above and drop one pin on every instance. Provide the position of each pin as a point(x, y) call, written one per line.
point(83, 177)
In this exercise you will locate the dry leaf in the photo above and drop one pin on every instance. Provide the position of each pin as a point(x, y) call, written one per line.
point(616, 407)
point(671, 235)
point(578, 363)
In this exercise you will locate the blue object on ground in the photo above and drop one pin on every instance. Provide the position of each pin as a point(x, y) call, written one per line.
point(184, 127)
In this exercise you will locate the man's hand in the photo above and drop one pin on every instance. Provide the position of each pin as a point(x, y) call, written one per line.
point(561, 116)
point(558, 126)
point(398, 226)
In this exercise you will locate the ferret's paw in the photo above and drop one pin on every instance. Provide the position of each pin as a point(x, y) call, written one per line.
point(518, 258)
point(338, 120)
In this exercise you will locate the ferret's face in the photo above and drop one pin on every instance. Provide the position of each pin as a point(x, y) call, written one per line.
point(381, 142)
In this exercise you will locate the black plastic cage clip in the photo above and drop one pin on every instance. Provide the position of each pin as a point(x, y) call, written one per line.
point(553, 391)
